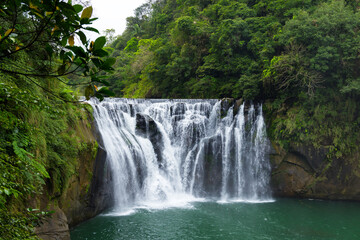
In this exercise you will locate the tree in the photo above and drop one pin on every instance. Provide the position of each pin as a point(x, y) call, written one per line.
point(50, 28)
point(109, 34)
point(322, 51)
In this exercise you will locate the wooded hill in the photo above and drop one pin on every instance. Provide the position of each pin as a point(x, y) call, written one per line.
point(300, 57)
point(243, 49)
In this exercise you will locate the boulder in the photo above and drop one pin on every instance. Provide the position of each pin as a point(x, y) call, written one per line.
point(55, 227)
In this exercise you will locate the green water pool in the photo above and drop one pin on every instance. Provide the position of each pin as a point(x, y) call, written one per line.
point(281, 219)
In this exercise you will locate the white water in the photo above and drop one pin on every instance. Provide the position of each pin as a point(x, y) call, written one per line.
point(183, 151)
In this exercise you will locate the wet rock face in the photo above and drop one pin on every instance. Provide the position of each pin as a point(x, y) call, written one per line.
point(177, 109)
point(213, 167)
point(291, 175)
point(88, 191)
point(54, 228)
point(304, 171)
point(100, 193)
point(209, 175)
point(147, 128)
point(226, 104)
point(315, 157)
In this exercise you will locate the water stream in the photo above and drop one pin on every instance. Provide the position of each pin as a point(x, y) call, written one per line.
point(172, 152)
point(198, 169)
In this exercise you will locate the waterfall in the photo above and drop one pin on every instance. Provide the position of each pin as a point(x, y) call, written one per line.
point(169, 150)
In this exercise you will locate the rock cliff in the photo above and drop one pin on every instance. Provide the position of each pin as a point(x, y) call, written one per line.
point(303, 171)
point(87, 192)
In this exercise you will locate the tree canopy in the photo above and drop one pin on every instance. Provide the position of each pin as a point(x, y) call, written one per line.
point(41, 44)
point(47, 31)
point(227, 48)
point(299, 57)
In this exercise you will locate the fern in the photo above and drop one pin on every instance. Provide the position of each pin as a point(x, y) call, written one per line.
point(28, 159)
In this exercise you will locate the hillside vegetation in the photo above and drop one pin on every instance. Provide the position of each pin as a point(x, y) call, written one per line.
point(40, 116)
point(299, 57)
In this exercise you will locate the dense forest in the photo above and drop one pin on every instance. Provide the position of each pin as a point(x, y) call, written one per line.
point(299, 57)
point(39, 110)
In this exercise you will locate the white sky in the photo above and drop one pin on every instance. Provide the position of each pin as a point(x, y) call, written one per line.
point(113, 14)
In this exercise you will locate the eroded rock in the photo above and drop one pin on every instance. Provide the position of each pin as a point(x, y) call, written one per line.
point(146, 127)
point(226, 104)
point(304, 171)
point(54, 228)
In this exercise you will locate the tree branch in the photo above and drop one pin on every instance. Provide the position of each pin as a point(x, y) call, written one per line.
point(13, 24)
point(40, 75)
point(36, 36)
point(50, 92)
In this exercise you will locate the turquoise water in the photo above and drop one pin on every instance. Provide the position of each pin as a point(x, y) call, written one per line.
point(282, 219)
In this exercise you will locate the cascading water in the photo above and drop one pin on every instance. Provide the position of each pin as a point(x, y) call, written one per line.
point(170, 150)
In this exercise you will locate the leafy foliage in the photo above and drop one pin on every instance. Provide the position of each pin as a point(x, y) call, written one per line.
point(39, 148)
point(300, 57)
point(38, 111)
point(48, 29)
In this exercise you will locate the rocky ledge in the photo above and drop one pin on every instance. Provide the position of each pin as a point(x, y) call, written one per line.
point(303, 171)
point(87, 193)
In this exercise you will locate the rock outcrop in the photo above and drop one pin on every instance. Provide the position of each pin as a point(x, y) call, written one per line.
point(303, 171)
point(212, 176)
point(146, 127)
point(87, 193)
point(54, 228)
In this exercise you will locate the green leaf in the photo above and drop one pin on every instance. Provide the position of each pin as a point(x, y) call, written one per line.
point(92, 29)
point(97, 62)
point(106, 83)
point(49, 49)
point(67, 57)
point(99, 43)
point(100, 53)
point(93, 19)
point(106, 91)
point(63, 41)
point(108, 63)
point(78, 8)
point(79, 51)
point(62, 54)
point(7, 191)
point(66, 10)
point(99, 96)
point(82, 37)
point(84, 21)
point(99, 79)
point(87, 12)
